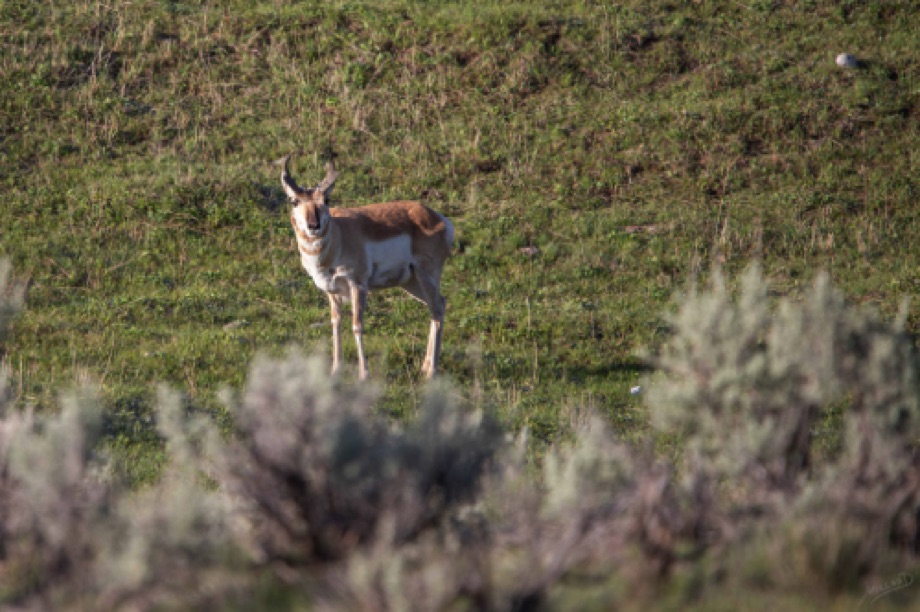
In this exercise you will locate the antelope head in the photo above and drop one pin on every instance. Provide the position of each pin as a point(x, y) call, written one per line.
point(310, 212)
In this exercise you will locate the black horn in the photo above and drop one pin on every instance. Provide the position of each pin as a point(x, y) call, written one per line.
point(326, 185)
point(291, 188)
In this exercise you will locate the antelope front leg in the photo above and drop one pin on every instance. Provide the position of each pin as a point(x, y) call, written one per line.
point(336, 316)
point(430, 367)
point(433, 352)
point(358, 304)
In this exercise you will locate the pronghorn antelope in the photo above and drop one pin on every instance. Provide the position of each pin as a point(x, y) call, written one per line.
point(350, 251)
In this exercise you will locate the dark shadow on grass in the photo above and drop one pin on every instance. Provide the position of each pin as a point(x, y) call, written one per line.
point(131, 416)
point(584, 372)
point(272, 198)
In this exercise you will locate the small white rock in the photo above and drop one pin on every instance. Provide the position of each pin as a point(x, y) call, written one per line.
point(845, 60)
point(635, 390)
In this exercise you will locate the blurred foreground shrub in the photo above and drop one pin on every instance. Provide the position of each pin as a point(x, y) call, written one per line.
point(746, 386)
point(314, 501)
point(320, 473)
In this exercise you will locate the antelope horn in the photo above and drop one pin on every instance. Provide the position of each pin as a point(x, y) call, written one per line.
point(291, 188)
point(326, 185)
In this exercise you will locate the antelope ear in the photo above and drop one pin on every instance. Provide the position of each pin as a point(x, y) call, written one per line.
point(291, 188)
point(325, 187)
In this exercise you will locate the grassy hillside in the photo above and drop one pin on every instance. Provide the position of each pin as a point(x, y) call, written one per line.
point(593, 157)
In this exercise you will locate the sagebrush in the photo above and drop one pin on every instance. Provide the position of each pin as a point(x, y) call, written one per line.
point(316, 500)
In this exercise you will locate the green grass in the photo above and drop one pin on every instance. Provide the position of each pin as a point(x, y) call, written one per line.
point(632, 145)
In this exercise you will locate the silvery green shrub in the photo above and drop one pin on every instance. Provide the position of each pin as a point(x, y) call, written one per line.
point(71, 537)
point(314, 500)
point(53, 487)
point(744, 382)
point(55, 495)
point(744, 386)
point(319, 472)
point(171, 544)
point(633, 509)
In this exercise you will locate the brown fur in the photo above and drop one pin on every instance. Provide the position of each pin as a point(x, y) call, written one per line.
point(389, 219)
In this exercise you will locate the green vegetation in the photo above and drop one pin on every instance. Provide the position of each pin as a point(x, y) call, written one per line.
point(594, 157)
point(317, 502)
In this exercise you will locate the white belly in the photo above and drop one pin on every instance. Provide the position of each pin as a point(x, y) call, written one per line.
point(389, 262)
